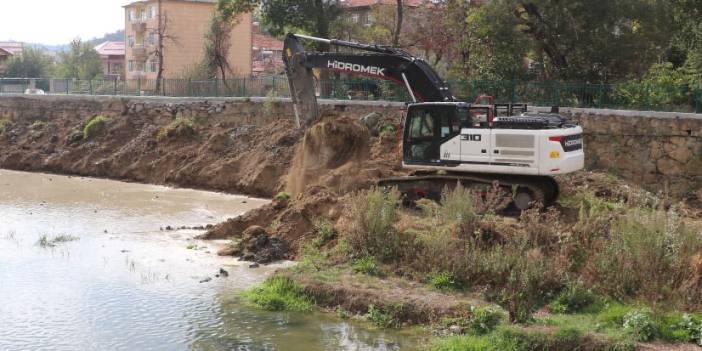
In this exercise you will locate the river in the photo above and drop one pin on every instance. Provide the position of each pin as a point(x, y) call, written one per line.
point(89, 264)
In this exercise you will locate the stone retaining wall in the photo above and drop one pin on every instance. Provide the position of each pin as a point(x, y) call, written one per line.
point(648, 147)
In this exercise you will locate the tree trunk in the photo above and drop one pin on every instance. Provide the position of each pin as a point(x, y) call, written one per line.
point(398, 25)
point(159, 53)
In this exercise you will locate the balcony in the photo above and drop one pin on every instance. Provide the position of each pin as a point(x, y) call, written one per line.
point(139, 52)
point(139, 26)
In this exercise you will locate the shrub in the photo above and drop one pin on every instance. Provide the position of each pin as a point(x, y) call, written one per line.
point(94, 126)
point(387, 130)
point(282, 196)
point(573, 299)
point(180, 126)
point(269, 102)
point(457, 206)
point(648, 255)
point(325, 230)
point(374, 213)
point(639, 323)
point(613, 314)
point(4, 125)
point(483, 320)
point(279, 293)
point(444, 281)
point(693, 328)
point(386, 317)
point(366, 265)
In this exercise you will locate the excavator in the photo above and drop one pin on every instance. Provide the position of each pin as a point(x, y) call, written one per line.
point(446, 141)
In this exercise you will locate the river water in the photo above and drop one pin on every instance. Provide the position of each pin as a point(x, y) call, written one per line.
point(123, 281)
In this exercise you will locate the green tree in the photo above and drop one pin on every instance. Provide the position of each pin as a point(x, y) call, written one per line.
point(80, 61)
point(32, 63)
point(218, 37)
point(314, 17)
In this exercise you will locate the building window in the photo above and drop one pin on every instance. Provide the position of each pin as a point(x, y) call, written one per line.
point(140, 66)
point(130, 41)
point(152, 12)
point(132, 15)
point(131, 65)
point(153, 66)
point(355, 18)
point(152, 39)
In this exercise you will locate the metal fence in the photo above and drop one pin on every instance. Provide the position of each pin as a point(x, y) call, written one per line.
point(633, 95)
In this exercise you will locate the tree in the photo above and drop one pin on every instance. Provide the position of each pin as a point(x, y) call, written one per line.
point(80, 61)
point(218, 37)
point(162, 35)
point(32, 63)
point(313, 17)
point(398, 26)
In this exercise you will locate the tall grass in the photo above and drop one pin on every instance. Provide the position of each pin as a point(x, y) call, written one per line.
point(372, 233)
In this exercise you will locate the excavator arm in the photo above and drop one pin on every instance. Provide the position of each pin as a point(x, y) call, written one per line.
point(380, 62)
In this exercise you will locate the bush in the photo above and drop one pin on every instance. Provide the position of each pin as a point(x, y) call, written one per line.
point(387, 130)
point(374, 213)
point(444, 281)
point(180, 126)
point(4, 126)
point(483, 320)
point(279, 293)
point(94, 126)
point(282, 196)
point(575, 298)
point(366, 265)
point(639, 323)
point(648, 255)
point(386, 317)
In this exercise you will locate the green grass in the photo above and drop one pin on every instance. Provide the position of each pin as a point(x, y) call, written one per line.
point(366, 265)
point(385, 317)
point(279, 293)
point(179, 126)
point(444, 281)
point(94, 126)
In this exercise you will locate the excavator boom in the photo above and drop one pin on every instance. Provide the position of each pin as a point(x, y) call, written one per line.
point(375, 61)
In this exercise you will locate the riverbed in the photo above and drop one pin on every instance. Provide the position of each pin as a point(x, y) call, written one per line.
point(93, 264)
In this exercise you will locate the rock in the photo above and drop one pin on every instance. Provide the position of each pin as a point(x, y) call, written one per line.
point(455, 329)
point(254, 265)
point(223, 273)
point(372, 121)
point(228, 250)
point(74, 137)
point(205, 280)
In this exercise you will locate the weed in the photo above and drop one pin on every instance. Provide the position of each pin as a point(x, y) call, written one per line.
point(282, 196)
point(325, 232)
point(444, 281)
point(279, 293)
point(180, 126)
point(465, 343)
point(94, 126)
point(269, 103)
point(613, 314)
point(38, 125)
point(387, 130)
point(385, 317)
point(372, 233)
point(4, 126)
point(45, 242)
point(341, 313)
point(483, 320)
point(639, 323)
point(366, 265)
point(573, 299)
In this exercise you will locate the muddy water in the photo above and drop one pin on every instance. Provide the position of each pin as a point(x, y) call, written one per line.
point(126, 283)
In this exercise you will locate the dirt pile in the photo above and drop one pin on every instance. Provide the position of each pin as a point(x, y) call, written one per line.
point(183, 151)
point(335, 158)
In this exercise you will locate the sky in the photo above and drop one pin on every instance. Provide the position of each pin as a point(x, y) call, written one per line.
point(54, 22)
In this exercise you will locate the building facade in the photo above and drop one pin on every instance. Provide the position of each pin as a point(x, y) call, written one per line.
point(112, 55)
point(180, 26)
point(7, 50)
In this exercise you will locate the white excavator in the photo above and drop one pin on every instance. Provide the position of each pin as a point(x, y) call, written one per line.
point(446, 141)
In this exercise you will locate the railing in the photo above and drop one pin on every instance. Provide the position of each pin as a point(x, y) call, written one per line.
point(634, 95)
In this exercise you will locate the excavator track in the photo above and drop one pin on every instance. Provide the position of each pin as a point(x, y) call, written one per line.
point(525, 191)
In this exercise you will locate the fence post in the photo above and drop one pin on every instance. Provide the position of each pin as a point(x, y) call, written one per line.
point(115, 85)
point(190, 87)
point(66, 86)
point(698, 102)
point(90, 83)
point(216, 87)
point(138, 86)
point(1, 90)
point(244, 88)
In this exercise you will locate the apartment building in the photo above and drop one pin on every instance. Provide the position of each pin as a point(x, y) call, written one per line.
point(112, 56)
point(183, 25)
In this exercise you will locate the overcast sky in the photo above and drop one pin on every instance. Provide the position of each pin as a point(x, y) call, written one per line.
point(59, 21)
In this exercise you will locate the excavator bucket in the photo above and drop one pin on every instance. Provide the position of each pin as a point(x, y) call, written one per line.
point(301, 81)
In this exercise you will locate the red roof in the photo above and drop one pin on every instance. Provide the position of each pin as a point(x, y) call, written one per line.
point(369, 3)
point(265, 42)
point(111, 48)
point(12, 47)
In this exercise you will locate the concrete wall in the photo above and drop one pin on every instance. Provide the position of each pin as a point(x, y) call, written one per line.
point(647, 147)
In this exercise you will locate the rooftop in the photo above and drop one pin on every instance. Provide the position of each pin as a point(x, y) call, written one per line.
point(147, 1)
point(265, 42)
point(111, 48)
point(13, 47)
